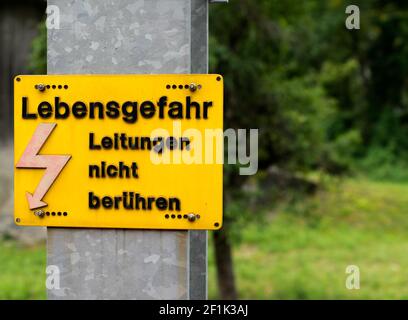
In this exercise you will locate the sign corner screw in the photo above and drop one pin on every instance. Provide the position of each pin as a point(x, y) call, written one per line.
point(191, 217)
point(39, 213)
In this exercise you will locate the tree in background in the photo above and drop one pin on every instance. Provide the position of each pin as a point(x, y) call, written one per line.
point(267, 86)
point(323, 97)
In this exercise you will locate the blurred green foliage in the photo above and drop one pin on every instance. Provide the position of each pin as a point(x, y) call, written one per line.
point(22, 271)
point(302, 249)
point(324, 98)
point(321, 95)
point(38, 58)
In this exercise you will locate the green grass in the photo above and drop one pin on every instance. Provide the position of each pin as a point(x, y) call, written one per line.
point(22, 271)
point(301, 251)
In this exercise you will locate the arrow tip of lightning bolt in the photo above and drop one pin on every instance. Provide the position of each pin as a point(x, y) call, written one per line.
point(34, 203)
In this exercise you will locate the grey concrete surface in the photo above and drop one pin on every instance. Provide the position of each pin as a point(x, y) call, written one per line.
point(127, 36)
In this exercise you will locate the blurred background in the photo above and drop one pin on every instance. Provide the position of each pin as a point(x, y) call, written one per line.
point(331, 105)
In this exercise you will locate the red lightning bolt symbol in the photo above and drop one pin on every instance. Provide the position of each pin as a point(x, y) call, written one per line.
point(52, 163)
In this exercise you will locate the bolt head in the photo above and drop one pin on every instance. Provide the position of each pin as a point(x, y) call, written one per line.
point(41, 87)
point(39, 213)
point(191, 217)
point(193, 87)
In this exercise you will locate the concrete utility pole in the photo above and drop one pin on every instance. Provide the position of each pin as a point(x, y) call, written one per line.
point(124, 37)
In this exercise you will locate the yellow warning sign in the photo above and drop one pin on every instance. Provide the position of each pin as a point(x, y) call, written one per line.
point(119, 151)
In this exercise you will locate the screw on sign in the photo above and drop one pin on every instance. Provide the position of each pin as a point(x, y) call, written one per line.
point(39, 213)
